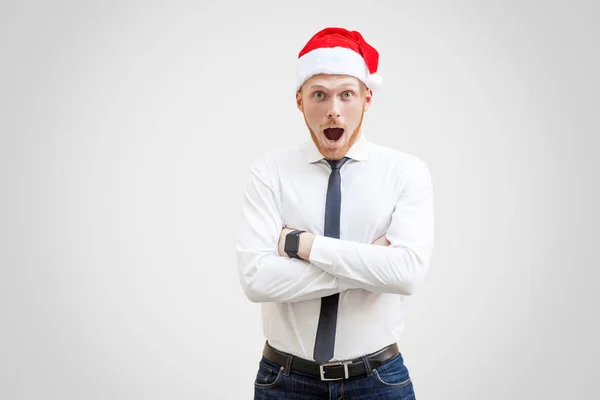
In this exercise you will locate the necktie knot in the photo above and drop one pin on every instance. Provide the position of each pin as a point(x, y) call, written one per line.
point(337, 164)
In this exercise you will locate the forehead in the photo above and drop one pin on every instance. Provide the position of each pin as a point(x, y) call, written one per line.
point(332, 81)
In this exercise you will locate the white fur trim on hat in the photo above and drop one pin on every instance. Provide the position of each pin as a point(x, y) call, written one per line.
point(334, 60)
point(374, 81)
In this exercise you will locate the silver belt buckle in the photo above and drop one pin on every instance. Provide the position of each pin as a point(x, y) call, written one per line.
point(333, 364)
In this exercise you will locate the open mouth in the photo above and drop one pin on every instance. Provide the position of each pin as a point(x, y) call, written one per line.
point(333, 134)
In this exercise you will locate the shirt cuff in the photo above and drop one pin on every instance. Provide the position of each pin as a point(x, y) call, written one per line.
point(324, 252)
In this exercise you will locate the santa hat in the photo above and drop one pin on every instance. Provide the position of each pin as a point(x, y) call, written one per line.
point(339, 51)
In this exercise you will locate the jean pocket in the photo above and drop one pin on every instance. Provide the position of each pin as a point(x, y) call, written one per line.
point(268, 375)
point(393, 374)
point(392, 380)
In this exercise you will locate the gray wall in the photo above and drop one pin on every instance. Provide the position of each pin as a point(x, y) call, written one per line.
point(118, 216)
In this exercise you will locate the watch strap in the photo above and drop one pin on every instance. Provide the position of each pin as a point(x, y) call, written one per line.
point(294, 252)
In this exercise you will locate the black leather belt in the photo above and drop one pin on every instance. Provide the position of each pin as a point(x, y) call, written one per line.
point(331, 371)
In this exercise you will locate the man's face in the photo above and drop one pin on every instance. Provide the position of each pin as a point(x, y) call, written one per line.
point(333, 108)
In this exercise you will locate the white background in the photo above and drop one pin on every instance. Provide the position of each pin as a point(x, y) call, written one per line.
point(126, 133)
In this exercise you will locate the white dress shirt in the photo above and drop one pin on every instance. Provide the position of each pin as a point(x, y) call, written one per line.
point(384, 191)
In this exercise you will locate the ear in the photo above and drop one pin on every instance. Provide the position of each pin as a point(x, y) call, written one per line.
point(299, 100)
point(368, 98)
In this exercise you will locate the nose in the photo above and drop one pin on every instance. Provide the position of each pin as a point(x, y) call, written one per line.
point(334, 109)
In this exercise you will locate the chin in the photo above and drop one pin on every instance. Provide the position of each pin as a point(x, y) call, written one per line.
point(331, 151)
point(332, 154)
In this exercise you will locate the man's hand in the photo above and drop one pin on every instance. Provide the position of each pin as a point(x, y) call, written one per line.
point(381, 241)
point(304, 248)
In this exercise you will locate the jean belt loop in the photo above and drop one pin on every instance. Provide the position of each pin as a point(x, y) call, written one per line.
point(288, 365)
point(367, 366)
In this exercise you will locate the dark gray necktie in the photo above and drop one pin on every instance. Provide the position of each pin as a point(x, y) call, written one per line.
point(325, 340)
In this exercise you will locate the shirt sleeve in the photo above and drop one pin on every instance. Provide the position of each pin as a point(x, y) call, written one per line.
point(401, 266)
point(266, 276)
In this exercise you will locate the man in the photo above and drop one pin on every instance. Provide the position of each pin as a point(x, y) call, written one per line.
point(334, 234)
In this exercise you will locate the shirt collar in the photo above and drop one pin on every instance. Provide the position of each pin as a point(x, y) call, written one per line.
point(359, 150)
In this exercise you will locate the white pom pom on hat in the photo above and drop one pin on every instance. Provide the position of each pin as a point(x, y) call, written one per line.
point(339, 51)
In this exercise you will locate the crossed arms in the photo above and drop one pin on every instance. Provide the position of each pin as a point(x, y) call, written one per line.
point(395, 263)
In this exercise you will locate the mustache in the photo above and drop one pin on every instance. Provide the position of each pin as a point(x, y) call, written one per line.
point(334, 122)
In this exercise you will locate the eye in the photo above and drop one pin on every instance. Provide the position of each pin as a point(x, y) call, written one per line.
point(347, 94)
point(319, 95)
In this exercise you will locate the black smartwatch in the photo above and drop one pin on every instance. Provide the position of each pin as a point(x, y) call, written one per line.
point(292, 242)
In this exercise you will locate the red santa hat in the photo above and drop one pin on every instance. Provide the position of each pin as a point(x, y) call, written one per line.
point(339, 51)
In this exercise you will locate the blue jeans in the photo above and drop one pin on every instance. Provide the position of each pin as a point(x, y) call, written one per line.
point(389, 381)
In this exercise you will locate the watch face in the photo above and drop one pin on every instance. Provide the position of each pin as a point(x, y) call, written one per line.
point(291, 243)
